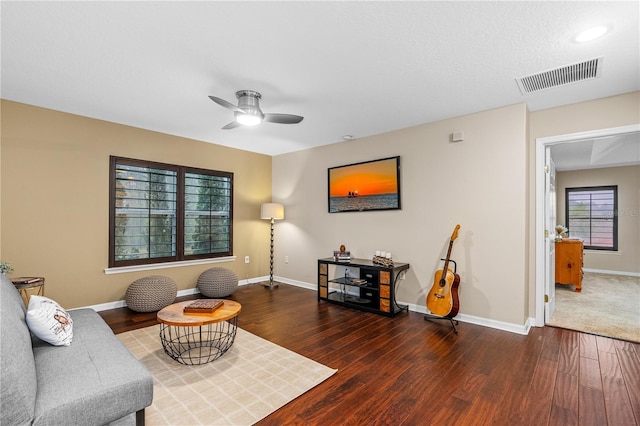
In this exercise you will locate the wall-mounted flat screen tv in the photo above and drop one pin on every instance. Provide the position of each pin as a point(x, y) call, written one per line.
point(366, 186)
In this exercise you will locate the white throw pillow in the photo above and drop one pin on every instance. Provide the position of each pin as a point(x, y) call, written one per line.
point(49, 322)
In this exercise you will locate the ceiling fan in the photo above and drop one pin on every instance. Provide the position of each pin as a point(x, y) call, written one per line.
point(248, 112)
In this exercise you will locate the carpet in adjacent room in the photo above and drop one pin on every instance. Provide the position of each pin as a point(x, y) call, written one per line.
point(609, 305)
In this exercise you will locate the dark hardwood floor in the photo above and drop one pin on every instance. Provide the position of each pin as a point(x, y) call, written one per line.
point(407, 371)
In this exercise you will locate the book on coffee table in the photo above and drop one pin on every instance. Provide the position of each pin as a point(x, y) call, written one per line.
point(203, 306)
point(26, 280)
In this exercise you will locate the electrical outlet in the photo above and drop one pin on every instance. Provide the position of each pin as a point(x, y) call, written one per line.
point(286, 259)
point(246, 259)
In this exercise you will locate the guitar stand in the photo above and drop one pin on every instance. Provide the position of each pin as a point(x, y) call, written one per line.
point(429, 317)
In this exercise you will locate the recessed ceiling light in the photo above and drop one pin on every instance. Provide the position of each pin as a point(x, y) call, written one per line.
point(347, 137)
point(591, 34)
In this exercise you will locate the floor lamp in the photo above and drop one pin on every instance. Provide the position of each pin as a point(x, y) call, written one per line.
point(272, 211)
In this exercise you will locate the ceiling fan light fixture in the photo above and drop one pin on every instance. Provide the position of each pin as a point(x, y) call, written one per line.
point(248, 112)
point(248, 119)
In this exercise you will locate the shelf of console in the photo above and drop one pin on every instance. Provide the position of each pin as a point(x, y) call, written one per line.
point(373, 290)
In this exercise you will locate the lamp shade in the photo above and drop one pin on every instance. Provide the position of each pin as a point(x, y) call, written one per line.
point(272, 211)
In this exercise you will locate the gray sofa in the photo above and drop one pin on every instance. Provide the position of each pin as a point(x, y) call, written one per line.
point(94, 381)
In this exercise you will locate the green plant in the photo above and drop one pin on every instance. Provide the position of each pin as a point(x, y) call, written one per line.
point(5, 267)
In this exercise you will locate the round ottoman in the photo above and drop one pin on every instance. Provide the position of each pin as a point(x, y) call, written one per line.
point(151, 293)
point(217, 282)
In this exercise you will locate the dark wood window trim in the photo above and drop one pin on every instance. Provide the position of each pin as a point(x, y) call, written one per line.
point(178, 243)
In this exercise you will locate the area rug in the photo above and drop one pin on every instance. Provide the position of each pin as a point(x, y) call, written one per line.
point(254, 378)
point(609, 305)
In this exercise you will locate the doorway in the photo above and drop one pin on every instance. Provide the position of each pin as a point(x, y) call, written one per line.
point(544, 284)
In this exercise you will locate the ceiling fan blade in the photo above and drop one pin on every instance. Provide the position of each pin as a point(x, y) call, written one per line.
point(225, 104)
point(232, 125)
point(283, 118)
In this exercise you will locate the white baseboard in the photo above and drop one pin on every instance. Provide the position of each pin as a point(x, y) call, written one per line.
point(604, 271)
point(297, 283)
point(485, 322)
point(186, 292)
point(123, 304)
point(106, 306)
point(254, 280)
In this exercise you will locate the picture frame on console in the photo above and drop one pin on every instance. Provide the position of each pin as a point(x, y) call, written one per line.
point(366, 186)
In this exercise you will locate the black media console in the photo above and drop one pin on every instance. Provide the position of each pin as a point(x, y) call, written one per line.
point(360, 284)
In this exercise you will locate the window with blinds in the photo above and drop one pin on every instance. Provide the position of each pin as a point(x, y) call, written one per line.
point(162, 213)
point(207, 214)
point(591, 214)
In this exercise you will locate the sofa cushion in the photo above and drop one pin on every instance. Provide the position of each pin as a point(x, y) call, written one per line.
point(49, 321)
point(18, 384)
point(95, 380)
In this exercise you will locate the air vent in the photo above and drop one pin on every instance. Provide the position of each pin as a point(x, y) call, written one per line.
point(582, 71)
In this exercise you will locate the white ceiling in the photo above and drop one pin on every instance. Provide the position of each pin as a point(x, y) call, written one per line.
point(594, 153)
point(356, 68)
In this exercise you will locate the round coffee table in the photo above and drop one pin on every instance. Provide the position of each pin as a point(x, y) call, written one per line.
point(194, 339)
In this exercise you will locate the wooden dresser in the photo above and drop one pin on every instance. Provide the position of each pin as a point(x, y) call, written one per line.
point(569, 261)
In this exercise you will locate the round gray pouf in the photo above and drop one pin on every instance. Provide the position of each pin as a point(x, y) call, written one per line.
point(217, 282)
point(151, 293)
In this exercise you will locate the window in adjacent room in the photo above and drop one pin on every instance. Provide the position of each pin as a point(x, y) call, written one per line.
point(592, 216)
point(163, 213)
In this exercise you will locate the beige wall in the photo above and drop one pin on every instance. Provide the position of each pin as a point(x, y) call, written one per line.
point(486, 183)
point(627, 258)
point(614, 111)
point(480, 183)
point(55, 181)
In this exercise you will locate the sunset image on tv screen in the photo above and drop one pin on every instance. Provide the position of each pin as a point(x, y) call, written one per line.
point(364, 186)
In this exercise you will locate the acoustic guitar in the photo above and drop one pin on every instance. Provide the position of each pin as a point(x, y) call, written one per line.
point(442, 299)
